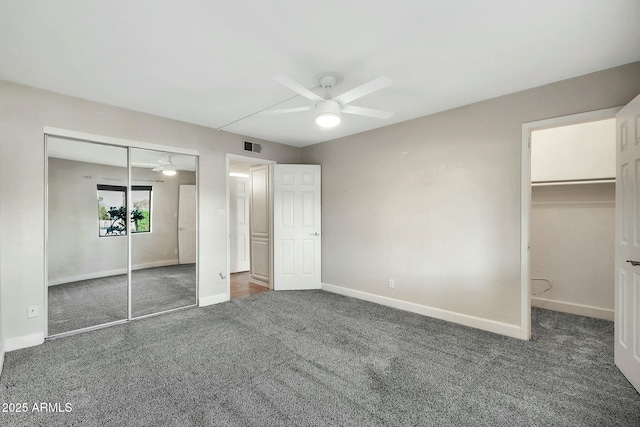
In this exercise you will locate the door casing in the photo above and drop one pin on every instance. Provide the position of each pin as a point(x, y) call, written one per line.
point(253, 160)
point(525, 202)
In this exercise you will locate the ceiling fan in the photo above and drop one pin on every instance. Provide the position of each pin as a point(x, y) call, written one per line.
point(166, 167)
point(328, 109)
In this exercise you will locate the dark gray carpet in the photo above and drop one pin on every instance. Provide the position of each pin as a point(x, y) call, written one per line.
point(312, 358)
point(96, 301)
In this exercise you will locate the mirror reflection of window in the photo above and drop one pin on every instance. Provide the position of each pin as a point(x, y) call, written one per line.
point(141, 211)
point(112, 210)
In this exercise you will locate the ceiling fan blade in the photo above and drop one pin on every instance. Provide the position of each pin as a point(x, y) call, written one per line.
point(363, 90)
point(369, 112)
point(297, 87)
point(285, 111)
point(158, 169)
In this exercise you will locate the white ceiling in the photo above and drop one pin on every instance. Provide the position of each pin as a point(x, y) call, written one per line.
point(212, 62)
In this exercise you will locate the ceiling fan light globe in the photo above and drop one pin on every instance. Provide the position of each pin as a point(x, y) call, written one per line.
point(327, 120)
point(169, 170)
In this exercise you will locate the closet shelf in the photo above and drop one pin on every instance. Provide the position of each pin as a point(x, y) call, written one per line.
point(573, 182)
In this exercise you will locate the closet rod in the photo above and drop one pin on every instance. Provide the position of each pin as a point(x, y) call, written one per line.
point(574, 181)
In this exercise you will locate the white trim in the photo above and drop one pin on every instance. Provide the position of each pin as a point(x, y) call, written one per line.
point(213, 299)
point(129, 201)
point(573, 119)
point(525, 201)
point(162, 263)
point(45, 279)
point(272, 261)
point(494, 326)
point(90, 137)
point(573, 308)
point(129, 144)
point(525, 235)
point(108, 273)
point(249, 159)
point(11, 344)
point(197, 229)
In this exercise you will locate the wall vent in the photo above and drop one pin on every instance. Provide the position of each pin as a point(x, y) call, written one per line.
point(254, 147)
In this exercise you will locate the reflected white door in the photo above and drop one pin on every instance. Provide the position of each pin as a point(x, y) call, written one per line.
point(296, 227)
point(627, 320)
point(239, 223)
point(260, 223)
point(187, 224)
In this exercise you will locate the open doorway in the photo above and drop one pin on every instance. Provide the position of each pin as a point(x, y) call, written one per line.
point(569, 215)
point(249, 253)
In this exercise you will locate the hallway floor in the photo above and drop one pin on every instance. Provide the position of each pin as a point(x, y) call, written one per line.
point(242, 286)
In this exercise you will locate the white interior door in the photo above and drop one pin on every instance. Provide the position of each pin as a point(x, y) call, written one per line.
point(627, 321)
point(187, 224)
point(239, 224)
point(296, 227)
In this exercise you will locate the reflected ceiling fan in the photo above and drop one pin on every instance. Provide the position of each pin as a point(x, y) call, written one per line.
point(328, 109)
point(166, 167)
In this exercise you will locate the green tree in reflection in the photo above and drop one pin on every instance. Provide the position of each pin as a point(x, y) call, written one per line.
point(118, 225)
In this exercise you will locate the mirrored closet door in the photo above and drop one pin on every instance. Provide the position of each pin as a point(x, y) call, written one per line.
point(121, 233)
point(87, 241)
point(163, 239)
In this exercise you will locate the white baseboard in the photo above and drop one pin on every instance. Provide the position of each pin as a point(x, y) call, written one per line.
point(24, 341)
point(213, 299)
point(573, 308)
point(450, 316)
point(162, 263)
point(108, 273)
point(88, 276)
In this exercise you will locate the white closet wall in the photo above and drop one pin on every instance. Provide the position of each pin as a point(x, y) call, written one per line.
point(574, 152)
point(573, 224)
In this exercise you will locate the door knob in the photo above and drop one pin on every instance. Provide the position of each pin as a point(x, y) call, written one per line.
point(634, 263)
point(315, 234)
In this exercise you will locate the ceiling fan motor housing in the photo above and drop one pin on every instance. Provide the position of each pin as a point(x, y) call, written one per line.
point(324, 107)
point(327, 114)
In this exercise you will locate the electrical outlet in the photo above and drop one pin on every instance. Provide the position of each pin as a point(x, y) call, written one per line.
point(392, 283)
point(32, 311)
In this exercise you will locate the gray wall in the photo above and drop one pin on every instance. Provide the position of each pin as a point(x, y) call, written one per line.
point(24, 112)
point(78, 252)
point(434, 203)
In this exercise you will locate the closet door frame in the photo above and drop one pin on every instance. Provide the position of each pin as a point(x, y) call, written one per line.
point(525, 202)
point(129, 145)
